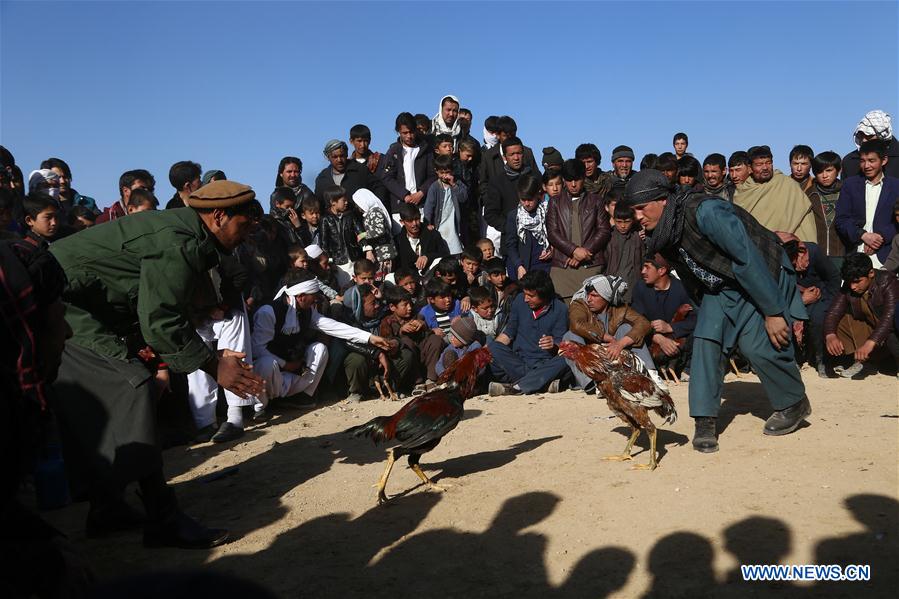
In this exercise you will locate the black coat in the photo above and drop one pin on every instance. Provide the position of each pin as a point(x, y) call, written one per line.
point(432, 245)
point(492, 166)
point(356, 177)
point(394, 177)
point(501, 199)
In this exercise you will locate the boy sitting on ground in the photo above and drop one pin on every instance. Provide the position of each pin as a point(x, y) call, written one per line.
point(463, 338)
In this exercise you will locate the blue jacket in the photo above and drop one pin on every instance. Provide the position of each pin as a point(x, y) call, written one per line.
point(429, 315)
point(850, 219)
point(432, 213)
point(526, 331)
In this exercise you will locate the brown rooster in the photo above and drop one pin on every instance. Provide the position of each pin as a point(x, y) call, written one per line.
point(629, 391)
point(419, 425)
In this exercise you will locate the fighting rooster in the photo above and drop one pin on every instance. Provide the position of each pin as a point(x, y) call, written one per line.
point(629, 391)
point(419, 425)
point(663, 361)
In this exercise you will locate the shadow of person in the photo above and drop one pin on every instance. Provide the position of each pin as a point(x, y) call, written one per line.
point(503, 561)
point(329, 556)
point(598, 574)
point(486, 460)
point(756, 540)
point(663, 437)
point(681, 566)
point(739, 398)
point(877, 545)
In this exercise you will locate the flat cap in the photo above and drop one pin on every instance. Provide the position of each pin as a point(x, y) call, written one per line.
point(646, 186)
point(221, 194)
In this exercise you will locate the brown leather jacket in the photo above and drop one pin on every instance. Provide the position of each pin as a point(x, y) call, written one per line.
point(582, 322)
point(595, 228)
point(884, 295)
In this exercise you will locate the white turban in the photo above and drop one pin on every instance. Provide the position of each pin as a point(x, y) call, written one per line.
point(291, 324)
point(609, 287)
point(876, 123)
point(313, 251)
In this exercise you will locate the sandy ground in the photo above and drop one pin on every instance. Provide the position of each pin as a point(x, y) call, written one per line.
point(533, 512)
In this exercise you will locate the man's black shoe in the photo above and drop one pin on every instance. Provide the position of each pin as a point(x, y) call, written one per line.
point(261, 416)
point(227, 432)
point(705, 438)
point(784, 422)
point(204, 434)
point(111, 518)
point(183, 531)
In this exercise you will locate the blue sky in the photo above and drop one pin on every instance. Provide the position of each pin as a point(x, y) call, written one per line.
point(111, 86)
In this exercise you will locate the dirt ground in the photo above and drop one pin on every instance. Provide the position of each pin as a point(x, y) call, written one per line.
point(533, 512)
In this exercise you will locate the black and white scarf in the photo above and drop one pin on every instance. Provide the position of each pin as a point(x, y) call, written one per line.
point(534, 222)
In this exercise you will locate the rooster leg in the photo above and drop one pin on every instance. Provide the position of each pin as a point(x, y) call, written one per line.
point(382, 483)
point(424, 478)
point(380, 390)
point(391, 392)
point(733, 366)
point(674, 376)
point(626, 454)
point(652, 454)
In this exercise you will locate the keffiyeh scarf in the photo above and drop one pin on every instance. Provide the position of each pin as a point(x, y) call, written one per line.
point(609, 287)
point(534, 222)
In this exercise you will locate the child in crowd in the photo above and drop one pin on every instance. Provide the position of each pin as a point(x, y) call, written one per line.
point(488, 250)
point(325, 273)
point(408, 279)
point(483, 312)
point(447, 270)
point(142, 200)
point(612, 198)
point(443, 145)
point(502, 290)
point(298, 257)
point(552, 184)
point(892, 262)
point(378, 229)
point(442, 308)
point(525, 243)
point(410, 332)
point(310, 231)
point(463, 338)
point(342, 230)
point(364, 274)
point(39, 218)
point(624, 254)
point(438, 315)
point(470, 260)
point(283, 210)
point(444, 204)
point(823, 197)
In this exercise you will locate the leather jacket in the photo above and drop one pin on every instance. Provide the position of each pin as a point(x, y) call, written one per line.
point(884, 295)
point(595, 228)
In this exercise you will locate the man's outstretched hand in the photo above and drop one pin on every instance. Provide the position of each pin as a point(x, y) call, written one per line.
point(237, 376)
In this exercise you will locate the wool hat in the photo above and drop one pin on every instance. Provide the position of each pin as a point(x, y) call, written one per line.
point(465, 330)
point(552, 157)
point(221, 194)
point(622, 152)
point(334, 144)
point(645, 186)
point(208, 175)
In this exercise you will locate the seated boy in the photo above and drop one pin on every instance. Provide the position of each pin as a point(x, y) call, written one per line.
point(860, 319)
point(463, 338)
point(410, 332)
point(483, 312)
point(502, 290)
point(408, 279)
point(142, 200)
point(470, 261)
point(488, 250)
point(624, 254)
point(438, 315)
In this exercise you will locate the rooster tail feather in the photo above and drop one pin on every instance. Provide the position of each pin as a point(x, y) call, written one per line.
point(374, 429)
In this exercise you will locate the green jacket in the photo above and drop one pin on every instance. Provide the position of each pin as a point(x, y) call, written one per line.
point(143, 273)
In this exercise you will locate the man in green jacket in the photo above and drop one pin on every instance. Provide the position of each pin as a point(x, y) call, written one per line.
point(136, 284)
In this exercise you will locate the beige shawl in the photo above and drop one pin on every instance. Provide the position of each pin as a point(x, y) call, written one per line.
point(779, 205)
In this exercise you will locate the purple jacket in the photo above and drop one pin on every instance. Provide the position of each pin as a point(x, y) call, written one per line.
point(850, 219)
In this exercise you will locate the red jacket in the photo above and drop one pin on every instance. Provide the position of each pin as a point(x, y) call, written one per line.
point(113, 212)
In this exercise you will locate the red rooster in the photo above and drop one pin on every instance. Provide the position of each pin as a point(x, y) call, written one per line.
point(629, 391)
point(419, 425)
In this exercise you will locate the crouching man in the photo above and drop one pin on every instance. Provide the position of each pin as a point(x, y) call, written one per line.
point(288, 350)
